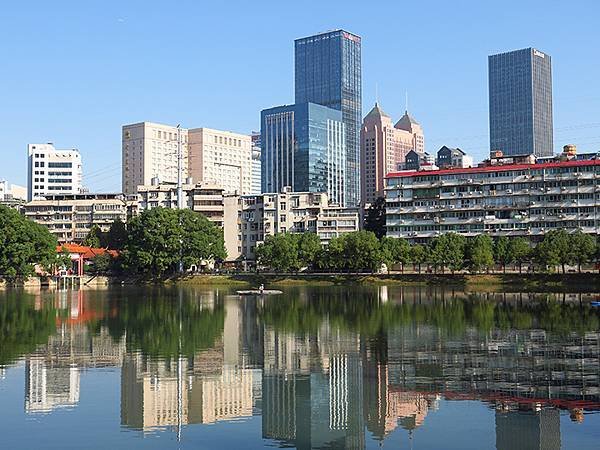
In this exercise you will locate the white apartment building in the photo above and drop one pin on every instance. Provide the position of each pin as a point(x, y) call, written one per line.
point(12, 195)
point(151, 150)
point(52, 172)
point(291, 212)
point(256, 164)
point(221, 157)
point(499, 200)
point(70, 217)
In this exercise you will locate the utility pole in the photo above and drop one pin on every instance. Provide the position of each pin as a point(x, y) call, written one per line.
point(179, 169)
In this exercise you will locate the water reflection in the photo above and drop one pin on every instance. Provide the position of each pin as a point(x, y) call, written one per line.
point(322, 367)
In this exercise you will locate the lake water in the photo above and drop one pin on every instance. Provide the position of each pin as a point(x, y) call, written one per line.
point(318, 367)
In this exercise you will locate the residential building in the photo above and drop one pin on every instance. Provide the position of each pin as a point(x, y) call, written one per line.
point(12, 195)
point(207, 199)
point(418, 161)
point(70, 217)
point(328, 72)
point(51, 171)
point(303, 146)
point(293, 212)
point(151, 150)
point(499, 200)
point(448, 157)
point(520, 99)
point(384, 147)
point(222, 158)
point(256, 164)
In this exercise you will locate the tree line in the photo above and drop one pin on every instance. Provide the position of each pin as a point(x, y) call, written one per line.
point(362, 251)
point(153, 244)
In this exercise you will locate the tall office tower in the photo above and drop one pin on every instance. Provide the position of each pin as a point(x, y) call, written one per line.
point(150, 150)
point(256, 164)
point(52, 171)
point(221, 157)
point(383, 146)
point(303, 146)
point(520, 88)
point(328, 72)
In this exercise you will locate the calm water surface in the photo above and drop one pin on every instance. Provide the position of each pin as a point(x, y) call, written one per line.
point(328, 368)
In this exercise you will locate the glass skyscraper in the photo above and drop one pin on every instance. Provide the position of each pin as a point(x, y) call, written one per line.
point(520, 90)
point(328, 72)
point(303, 146)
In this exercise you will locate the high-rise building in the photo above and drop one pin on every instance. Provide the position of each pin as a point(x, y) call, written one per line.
point(256, 164)
point(520, 89)
point(221, 157)
point(383, 147)
point(328, 72)
point(303, 147)
point(150, 150)
point(52, 171)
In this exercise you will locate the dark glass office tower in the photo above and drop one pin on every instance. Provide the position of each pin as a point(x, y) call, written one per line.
point(328, 72)
point(520, 88)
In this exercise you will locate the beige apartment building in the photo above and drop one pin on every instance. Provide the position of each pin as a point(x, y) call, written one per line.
point(70, 217)
point(150, 150)
point(384, 147)
point(293, 212)
point(221, 157)
point(208, 199)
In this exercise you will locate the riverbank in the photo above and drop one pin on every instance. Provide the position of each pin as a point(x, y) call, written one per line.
point(510, 282)
point(579, 282)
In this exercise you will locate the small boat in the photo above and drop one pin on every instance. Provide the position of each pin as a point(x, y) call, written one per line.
point(260, 292)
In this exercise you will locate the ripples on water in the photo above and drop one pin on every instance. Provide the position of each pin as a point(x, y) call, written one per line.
point(332, 367)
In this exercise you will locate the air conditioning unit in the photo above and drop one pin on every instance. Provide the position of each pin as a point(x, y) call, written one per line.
point(509, 191)
point(470, 180)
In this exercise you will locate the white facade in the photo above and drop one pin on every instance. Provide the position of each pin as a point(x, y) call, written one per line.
point(151, 150)
point(291, 212)
point(256, 165)
point(221, 157)
point(52, 172)
point(71, 217)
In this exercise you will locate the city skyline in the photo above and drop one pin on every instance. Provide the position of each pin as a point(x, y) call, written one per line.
point(94, 100)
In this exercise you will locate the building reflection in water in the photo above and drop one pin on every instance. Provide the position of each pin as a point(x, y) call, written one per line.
point(332, 378)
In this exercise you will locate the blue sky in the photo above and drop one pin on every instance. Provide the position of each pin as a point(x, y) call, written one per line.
point(73, 72)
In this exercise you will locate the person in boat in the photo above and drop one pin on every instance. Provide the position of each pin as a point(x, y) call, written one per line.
point(261, 288)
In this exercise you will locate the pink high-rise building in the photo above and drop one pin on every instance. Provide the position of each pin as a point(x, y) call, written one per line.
point(383, 147)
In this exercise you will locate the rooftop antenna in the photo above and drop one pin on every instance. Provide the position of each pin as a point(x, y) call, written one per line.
point(376, 94)
point(406, 105)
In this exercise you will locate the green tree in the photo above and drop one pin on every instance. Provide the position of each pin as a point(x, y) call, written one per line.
point(520, 251)
point(23, 243)
point(480, 251)
point(279, 252)
point(395, 251)
point(116, 237)
point(101, 263)
point(63, 259)
point(448, 250)
point(419, 254)
point(159, 238)
point(375, 218)
point(555, 249)
point(362, 251)
point(502, 253)
point(309, 248)
point(583, 247)
point(94, 237)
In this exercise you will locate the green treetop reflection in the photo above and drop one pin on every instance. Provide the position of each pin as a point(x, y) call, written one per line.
point(363, 312)
point(23, 326)
point(161, 324)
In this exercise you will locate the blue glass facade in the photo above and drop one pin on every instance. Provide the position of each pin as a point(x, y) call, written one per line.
point(520, 95)
point(328, 72)
point(303, 146)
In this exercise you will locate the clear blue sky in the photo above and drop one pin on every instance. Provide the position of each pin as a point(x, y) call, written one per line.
point(73, 72)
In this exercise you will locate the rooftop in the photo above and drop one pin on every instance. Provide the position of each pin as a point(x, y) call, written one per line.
point(499, 168)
